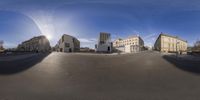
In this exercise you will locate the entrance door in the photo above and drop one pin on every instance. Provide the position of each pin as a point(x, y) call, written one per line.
point(70, 50)
point(109, 49)
point(61, 50)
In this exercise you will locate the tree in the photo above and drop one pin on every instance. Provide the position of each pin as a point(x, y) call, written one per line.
point(1, 45)
point(196, 46)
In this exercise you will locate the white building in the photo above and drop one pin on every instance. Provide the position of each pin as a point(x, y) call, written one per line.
point(129, 45)
point(104, 43)
point(68, 43)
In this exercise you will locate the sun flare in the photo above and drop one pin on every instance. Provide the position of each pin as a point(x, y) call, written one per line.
point(47, 30)
point(48, 36)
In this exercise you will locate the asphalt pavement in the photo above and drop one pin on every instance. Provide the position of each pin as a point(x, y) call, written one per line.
point(71, 76)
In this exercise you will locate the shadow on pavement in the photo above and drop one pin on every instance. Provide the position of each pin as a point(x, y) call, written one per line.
point(189, 66)
point(17, 66)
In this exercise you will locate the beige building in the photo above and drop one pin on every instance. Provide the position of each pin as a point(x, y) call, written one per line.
point(68, 43)
point(167, 43)
point(131, 44)
point(35, 44)
point(104, 43)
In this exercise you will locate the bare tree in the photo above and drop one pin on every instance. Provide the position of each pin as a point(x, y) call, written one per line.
point(197, 46)
point(1, 44)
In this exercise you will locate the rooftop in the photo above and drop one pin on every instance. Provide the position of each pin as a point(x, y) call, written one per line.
point(36, 37)
point(134, 36)
point(69, 36)
point(164, 34)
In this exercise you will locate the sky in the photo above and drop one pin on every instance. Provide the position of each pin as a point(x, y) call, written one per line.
point(85, 19)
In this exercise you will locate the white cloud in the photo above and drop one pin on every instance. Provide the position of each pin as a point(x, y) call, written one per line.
point(150, 39)
point(84, 40)
point(150, 36)
point(136, 32)
point(9, 45)
point(88, 42)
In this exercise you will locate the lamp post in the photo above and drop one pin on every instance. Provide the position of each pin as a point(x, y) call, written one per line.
point(177, 49)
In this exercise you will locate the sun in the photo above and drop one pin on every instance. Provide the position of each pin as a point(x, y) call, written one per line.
point(49, 37)
point(47, 30)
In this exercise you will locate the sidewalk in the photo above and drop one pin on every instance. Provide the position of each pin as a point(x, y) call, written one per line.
point(189, 57)
point(184, 57)
point(17, 57)
point(100, 54)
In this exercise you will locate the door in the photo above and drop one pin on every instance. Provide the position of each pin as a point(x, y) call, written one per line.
point(70, 50)
point(109, 49)
point(61, 50)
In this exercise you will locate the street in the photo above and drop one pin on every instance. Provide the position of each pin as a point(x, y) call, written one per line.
point(73, 76)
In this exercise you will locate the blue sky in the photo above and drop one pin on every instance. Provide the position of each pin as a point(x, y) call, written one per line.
point(84, 19)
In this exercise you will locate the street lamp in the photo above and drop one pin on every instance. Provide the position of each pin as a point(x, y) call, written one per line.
point(177, 49)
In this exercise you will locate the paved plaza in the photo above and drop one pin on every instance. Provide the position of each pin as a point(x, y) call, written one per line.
point(73, 76)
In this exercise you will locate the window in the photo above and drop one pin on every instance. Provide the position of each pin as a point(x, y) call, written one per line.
point(102, 42)
point(67, 45)
point(95, 45)
point(62, 38)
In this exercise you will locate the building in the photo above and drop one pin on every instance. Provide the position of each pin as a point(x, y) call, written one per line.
point(1, 47)
point(104, 43)
point(86, 49)
point(68, 43)
point(35, 44)
point(129, 45)
point(167, 43)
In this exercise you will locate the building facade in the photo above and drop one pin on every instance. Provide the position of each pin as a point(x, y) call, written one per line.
point(68, 43)
point(35, 44)
point(104, 43)
point(167, 43)
point(129, 45)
